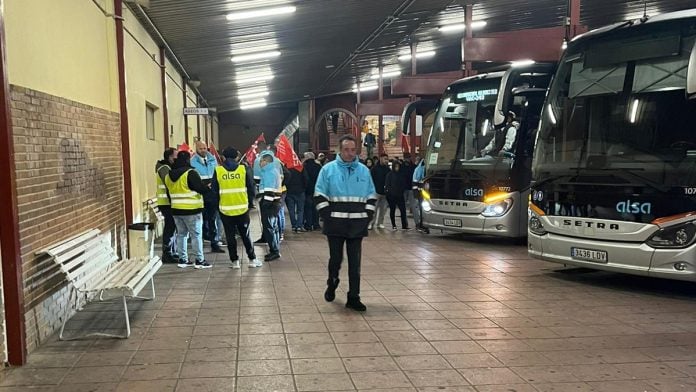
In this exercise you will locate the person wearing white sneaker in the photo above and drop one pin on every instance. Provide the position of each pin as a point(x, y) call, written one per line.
point(256, 263)
point(186, 194)
point(236, 187)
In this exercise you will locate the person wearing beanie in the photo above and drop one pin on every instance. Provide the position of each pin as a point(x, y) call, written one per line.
point(186, 190)
point(235, 185)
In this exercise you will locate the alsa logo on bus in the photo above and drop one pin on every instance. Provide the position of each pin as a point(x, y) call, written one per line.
point(629, 207)
point(473, 192)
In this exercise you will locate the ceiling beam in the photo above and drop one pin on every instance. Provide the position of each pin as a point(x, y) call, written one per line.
point(366, 42)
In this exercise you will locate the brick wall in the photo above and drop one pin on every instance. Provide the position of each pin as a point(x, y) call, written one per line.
point(69, 179)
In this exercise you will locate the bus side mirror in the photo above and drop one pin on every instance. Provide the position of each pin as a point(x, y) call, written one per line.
point(691, 75)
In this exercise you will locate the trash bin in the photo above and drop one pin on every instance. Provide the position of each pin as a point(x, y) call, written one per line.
point(140, 239)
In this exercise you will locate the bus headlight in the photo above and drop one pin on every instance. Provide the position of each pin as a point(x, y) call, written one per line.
point(678, 236)
point(535, 226)
point(498, 208)
point(425, 205)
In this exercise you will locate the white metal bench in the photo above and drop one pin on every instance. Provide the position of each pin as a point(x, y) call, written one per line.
point(92, 269)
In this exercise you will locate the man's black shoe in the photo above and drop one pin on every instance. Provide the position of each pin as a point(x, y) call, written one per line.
point(271, 257)
point(355, 304)
point(260, 241)
point(217, 250)
point(330, 293)
point(167, 258)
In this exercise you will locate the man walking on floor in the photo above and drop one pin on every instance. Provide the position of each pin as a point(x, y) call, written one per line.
point(236, 187)
point(345, 198)
point(162, 168)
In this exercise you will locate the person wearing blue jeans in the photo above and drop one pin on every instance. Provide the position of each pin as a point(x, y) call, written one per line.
point(270, 205)
point(189, 225)
point(281, 217)
point(186, 190)
point(204, 163)
point(296, 182)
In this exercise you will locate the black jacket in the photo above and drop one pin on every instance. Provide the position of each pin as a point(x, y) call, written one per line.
point(194, 183)
point(395, 184)
point(379, 176)
point(311, 169)
point(296, 182)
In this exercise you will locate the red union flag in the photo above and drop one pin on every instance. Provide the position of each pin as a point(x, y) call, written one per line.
point(185, 147)
point(250, 154)
point(287, 155)
point(215, 153)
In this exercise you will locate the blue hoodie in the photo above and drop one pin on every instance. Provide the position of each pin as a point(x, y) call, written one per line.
point(270, 180)
point(345, 198)
point(418, 174)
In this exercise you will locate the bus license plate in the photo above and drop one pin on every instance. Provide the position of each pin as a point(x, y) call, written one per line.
point(597, 256)
point(453, 222)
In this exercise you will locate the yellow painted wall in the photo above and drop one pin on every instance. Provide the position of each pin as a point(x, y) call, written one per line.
point(65, 48)
point(175, 103)
point(192, 122)
point(143, 85)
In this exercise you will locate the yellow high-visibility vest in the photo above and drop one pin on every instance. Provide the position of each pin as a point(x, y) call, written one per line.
point(162, 198)
point(233, 192)
point(183, 198)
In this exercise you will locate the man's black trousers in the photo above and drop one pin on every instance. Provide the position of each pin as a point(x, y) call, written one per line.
point(354, 251)
point(241, 224)
point(168, 231)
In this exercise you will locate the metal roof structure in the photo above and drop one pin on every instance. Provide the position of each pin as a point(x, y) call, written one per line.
point(327, 45)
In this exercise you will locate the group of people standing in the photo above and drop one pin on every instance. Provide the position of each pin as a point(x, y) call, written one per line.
point(198, 197)
point(397, 183)
point(195, 193)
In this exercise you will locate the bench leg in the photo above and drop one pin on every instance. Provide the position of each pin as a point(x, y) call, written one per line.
point(125, 310)
point(67, 313)
point(95, 334)
point(152, 286)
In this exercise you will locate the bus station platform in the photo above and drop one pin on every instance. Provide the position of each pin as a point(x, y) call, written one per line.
point(444, 313)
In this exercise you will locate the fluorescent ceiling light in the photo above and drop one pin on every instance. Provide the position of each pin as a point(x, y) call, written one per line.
point(260, 12)
point(365, 87)
point(419, 55)
point(522, 63)
point(255, 56)
point(263, 45)
point(252, 90)
point(386, 70)
point(253, 101)
point(386, 75)
point(634, 111)
point(253, 105)
point(254, 78)
point(461, 26)
point(260, 94)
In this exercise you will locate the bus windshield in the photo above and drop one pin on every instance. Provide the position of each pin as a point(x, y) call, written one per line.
point(463, 124)
point(620, 105)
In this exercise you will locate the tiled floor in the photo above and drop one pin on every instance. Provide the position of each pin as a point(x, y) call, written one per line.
point(445, 313)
